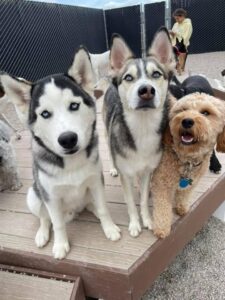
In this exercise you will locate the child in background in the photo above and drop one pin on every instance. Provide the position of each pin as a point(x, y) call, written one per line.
point(180, 36)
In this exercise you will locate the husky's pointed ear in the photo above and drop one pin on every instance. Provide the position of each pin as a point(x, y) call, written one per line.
point(220, 146)
point(161, 47)
point(81, 70)
point(19, 92)
point(119, 53)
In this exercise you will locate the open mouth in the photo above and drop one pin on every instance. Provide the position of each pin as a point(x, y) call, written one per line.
point(187, 138)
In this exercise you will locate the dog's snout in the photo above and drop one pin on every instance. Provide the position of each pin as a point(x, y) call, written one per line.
point(146, 92)
point(187, 123)
point(1, 160)
point(68, 140)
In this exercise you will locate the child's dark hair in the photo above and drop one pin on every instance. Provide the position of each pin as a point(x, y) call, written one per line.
point(180, 12)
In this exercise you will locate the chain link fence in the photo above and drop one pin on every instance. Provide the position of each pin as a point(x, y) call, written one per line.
point(38, 39)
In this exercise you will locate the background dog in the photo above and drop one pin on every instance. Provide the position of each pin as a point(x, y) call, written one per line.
point(60, 111)
point(196, 123)
point(3, 105)
point(100, 64)
point(9, 178)
point(193, 84)
point(135, 114)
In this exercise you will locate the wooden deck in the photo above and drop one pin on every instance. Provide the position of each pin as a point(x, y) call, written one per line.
point(111, 270)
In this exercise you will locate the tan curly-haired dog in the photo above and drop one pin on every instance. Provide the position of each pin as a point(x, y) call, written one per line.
point(196, 123)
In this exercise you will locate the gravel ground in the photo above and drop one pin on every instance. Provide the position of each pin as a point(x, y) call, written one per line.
point(198, 272)
point(209, 64)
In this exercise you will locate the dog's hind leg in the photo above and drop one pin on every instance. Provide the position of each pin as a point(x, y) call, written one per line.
point(38, 208)
point(112, 169)
point(144, 190)
point(134, 224)
point(215, 165)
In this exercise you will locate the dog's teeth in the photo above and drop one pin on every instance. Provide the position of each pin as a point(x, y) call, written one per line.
point(187, 138)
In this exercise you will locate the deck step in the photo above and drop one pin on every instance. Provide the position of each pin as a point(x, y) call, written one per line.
point(22, 283)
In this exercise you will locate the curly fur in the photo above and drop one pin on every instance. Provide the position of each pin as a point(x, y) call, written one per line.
point(181, 158)
point(8, 171)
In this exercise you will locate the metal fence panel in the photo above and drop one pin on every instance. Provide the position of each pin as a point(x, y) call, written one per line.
point(208, 20)
point(38, 39)
point(125, 21)
point(154, 19)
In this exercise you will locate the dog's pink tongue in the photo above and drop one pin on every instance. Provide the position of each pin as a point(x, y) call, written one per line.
point(187, 138)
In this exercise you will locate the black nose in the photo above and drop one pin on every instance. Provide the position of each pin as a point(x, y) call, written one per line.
point(68, 139)
point(187, 123)
point(0, 160)
point(146, 92)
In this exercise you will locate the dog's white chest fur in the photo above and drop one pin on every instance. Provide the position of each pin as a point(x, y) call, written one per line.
point(144, 128)
point(71, 182)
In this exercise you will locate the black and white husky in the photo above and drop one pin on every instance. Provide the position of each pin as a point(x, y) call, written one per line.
point(61, 115)
point(135, 114)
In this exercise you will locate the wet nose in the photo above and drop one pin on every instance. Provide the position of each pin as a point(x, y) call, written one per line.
point(187, 123)
point(68, 140)
point(146, 92)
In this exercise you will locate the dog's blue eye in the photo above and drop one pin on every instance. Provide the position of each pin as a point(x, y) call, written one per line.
point(74, 106)
point(46, 114)
point(128, 77)
point(156, 74)
point(205, 113)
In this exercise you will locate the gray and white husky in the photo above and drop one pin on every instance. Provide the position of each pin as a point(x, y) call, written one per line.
point(61, 115)
point(135, 114)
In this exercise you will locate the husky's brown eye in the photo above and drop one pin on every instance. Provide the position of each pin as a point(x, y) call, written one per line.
point(128, 77)
point(205, 113)
point(156, 74)
point(74, 106)
point(46, 114)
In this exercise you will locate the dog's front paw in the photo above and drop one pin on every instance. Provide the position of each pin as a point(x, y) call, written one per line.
point(182, 209)
point(112, 232)
point(16, 186)
point(161, 233)
point(113, 172)
point(134, 228)
point(42, 237)
point(60, 250)
point(147, 222)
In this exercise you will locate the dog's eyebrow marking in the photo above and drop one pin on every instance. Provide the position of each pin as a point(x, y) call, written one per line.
point(155, 62)
point(132, 69)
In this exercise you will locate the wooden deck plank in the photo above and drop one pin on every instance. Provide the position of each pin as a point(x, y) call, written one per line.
point(25, 287)
point(85, 255)
point(81, 233)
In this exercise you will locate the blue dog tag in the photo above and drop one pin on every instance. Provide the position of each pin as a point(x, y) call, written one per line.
point(184, 182)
